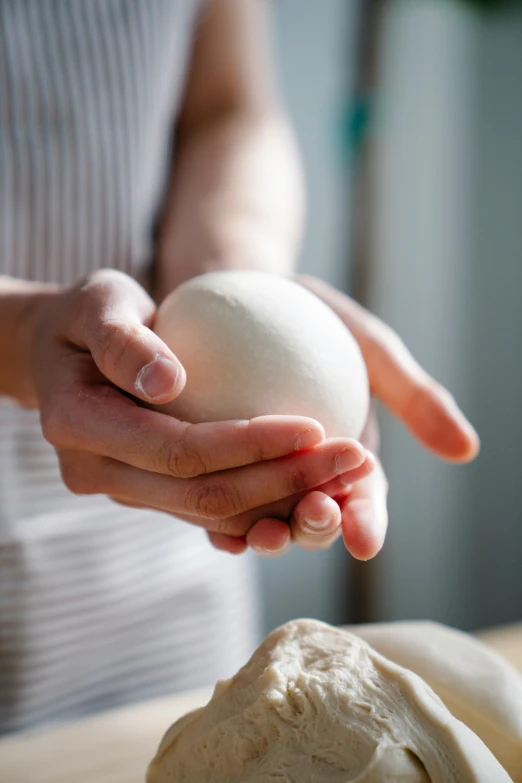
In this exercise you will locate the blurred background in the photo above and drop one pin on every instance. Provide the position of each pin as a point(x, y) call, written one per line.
point(409, 117)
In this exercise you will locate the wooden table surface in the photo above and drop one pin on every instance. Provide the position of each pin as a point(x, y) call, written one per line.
point(507, 640)
point(115, 747)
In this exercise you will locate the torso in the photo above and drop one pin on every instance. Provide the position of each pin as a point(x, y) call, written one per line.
point(99, 605)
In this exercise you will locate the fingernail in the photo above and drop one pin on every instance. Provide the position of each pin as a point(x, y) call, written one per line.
point(307, 439)
point(158, 378)
point(271, 552)
point(345, 460)
point(317, 524)
point(365, 468)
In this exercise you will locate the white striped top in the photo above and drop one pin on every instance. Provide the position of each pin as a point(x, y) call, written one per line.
point(99, 605)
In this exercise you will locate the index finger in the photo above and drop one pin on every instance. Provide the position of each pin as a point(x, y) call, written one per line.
point(89, 414)
point(425, 407)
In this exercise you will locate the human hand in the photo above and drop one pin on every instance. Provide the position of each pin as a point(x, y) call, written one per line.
point(94, 357)
point(425, 407)
point(314, 520)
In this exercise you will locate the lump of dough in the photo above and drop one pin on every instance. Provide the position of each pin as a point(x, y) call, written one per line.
point(318, 705)
point(478, 686)
point(255, 344)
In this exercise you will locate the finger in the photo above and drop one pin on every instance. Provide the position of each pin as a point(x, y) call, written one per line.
point(111, 320)
point(280, 510)
point(426, 408)
point(365, 515)
point(127, 503)
point(213, 498)
point(283, 509)
point(370, 437)
point(316, 522)
point(269, 537)
point(341, 484)
point(262, 533)
point(234, 545)
point(86, 414)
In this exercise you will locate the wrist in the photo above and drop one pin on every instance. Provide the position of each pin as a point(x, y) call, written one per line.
point(22, 306)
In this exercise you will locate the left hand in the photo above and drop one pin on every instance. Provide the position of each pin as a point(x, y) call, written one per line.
point(314, 520)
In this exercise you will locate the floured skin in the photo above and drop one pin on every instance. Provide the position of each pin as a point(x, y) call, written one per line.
point(319, 704)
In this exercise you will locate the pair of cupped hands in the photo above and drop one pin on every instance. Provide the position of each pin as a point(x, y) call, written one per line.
point(262, 483)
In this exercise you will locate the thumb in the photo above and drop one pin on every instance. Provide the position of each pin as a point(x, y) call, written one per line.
point(112, 324)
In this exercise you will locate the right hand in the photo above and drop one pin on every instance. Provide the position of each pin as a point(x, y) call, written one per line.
point(94, 357)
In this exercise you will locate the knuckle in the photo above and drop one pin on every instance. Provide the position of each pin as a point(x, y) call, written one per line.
point(423, 397)
point(259, 449)
point(439, 393)
point(82, 299)
point(85, 300)
point(215, 499)
point(299, 480)
point(83, 306)
point(181, 458)
point(381, 339)
point(98, 283)
point(114, 341)
point(233, 526)
point(54, 425)
point(386, 339)
point(74, 475)
point(107, 276)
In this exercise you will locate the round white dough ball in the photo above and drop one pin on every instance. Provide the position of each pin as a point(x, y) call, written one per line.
point(254, 344)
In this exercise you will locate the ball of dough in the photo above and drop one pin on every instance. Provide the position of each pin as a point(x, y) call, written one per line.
point(254, 344)
point(317, 704)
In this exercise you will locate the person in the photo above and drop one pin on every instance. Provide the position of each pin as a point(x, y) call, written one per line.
point(142, 144)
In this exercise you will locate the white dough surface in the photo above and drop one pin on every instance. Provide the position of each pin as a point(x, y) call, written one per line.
point(316, 704)
point(477, 685)
point(255, 344)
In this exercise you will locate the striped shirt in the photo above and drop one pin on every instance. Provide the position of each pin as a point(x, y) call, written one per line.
point(99, 604)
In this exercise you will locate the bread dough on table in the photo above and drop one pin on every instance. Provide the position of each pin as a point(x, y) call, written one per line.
point(475, 683)
point(116, 746)
point(317, 704)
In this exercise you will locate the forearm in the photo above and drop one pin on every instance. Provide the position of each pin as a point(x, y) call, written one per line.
point(235, 200)
point(20, 303)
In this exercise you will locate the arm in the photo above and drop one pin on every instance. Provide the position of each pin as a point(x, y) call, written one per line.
point(235, 198)
point(20, 304)
point(71, 351)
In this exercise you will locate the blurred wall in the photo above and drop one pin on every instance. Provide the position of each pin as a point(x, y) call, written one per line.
point(496, 318)
point(313, 44)
point(448, 276)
